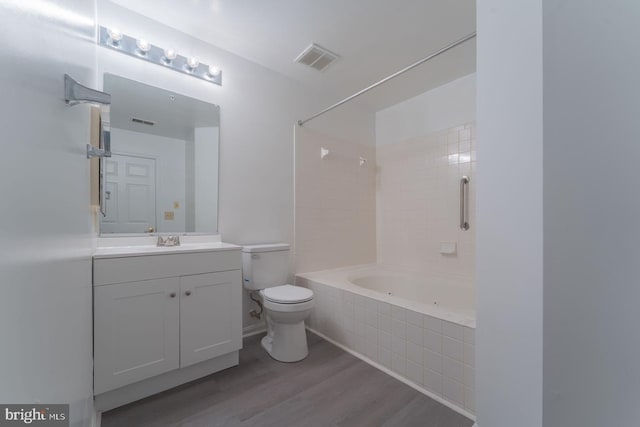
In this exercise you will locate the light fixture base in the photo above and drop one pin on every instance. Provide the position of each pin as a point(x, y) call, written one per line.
point(128, 45)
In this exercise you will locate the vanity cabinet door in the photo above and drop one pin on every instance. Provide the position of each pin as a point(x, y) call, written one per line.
point(136, 331)
point(210, 315)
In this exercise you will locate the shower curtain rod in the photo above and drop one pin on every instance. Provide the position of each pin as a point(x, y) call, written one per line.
point(386, 79)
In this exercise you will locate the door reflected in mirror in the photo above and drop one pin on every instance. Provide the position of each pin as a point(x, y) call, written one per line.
point(163, 173)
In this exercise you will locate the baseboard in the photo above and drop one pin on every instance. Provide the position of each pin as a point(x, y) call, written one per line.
point(255, 329)
point(396, 376)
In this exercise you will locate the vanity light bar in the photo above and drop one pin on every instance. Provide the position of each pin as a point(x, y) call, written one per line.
point(142, 49)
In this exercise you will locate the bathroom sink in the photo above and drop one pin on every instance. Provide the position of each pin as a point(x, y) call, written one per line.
point(115, 249)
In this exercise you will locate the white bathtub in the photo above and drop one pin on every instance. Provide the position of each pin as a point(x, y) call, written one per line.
point(447, 299)
point(419, 329)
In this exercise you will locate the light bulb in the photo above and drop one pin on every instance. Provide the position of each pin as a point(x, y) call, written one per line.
point(213, 71)
point(114, 35)
point(193, 63)
point(169, 55)
point(143, 45)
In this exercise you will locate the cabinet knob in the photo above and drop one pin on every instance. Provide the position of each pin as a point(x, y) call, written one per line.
point(172, 294)
point(187, 293)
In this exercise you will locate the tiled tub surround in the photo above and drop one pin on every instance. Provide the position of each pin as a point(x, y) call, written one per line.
point(429, 346)
point(335, 202)
point(418, 196)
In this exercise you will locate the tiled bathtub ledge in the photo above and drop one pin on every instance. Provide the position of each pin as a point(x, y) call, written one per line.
point(431, 355)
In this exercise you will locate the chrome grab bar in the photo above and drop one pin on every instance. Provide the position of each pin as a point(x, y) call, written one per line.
point(464, 201)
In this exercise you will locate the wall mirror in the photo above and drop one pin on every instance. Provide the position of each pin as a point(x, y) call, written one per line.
point(162, 176)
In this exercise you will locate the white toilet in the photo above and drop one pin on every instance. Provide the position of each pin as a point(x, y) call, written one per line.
point(265, 268)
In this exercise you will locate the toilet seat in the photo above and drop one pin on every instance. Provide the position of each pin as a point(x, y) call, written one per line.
point(287, 294)
point(298, 307)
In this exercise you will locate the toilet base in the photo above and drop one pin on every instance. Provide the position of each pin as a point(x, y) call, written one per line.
point(286, 339)
point(266, 343)
point(286, 342)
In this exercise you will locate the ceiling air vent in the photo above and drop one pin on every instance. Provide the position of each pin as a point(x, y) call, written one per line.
point(142, 121)
point(317, 57)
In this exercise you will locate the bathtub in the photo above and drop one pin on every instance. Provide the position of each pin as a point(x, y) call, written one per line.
point(419, 329)
point(452, 300)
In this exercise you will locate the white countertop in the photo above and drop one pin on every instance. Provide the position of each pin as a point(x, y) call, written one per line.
point(119, 248)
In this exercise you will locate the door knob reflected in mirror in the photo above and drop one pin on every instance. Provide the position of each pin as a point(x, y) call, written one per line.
point(187, 293)
point(172, 294)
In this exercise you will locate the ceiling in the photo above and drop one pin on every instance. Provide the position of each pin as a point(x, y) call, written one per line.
point(174, 115)
point(373, 37)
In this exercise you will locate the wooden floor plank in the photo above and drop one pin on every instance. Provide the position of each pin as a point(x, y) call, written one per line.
point(328, 388)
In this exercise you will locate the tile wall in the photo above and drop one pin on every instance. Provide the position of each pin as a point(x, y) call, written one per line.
point(335, 215)
point(433, 354)
point(418, 198)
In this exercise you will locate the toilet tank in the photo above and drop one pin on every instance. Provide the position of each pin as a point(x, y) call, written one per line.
point(265, 266)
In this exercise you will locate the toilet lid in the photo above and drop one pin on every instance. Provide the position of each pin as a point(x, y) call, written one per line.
point(288, 294)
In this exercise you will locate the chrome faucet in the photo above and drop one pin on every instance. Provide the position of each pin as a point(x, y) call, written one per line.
point(168, 240)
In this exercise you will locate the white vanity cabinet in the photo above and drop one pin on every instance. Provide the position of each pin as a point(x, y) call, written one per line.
point(136, 332)
point(164, 319)
point(209, 321)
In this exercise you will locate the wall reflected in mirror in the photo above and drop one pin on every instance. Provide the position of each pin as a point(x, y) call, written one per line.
point(163, 173)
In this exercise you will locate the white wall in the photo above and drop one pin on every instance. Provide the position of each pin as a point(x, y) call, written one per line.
point(46, 229)
point(258, 112)
point(169, 154)
point(509, 214)
point(444, 107)
point(591, 211)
